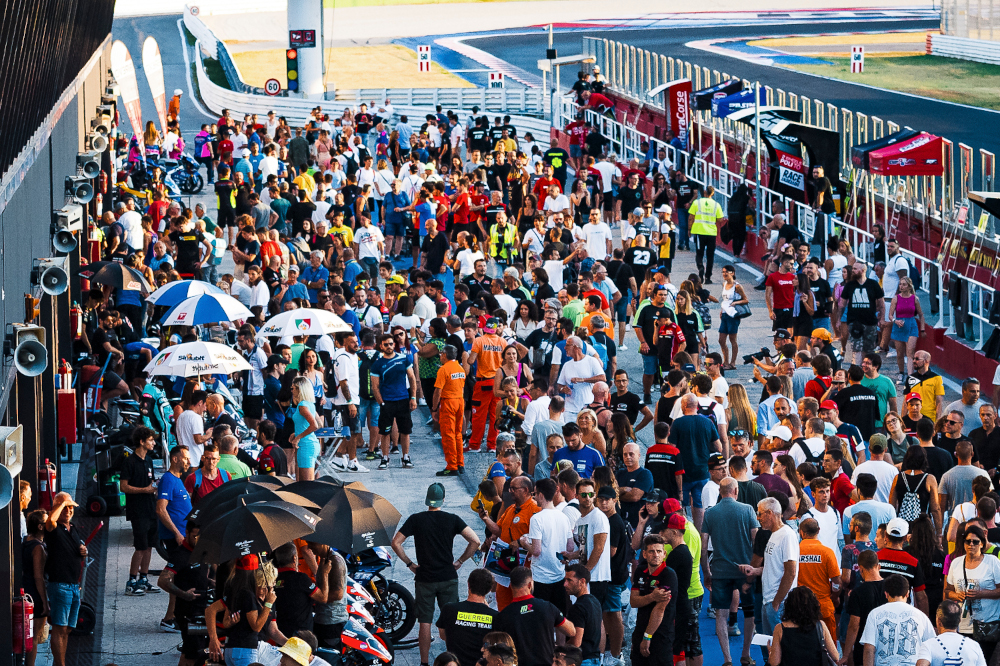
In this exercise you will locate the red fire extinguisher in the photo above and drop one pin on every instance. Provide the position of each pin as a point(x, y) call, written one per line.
point(76, 320)
point(102, 182)
point(65, 376)
point(46, 485)
point(23, 624)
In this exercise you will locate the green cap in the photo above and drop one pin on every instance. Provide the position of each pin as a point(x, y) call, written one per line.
point(435, 495)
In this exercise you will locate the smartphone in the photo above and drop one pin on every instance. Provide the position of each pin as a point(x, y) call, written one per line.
point(482, 507)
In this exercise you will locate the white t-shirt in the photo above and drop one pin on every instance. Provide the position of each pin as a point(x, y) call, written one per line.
point(467, 261)
point(260, 295)
point(131, 221)
point(408, 323)
point(816, 447)
point(783, 546)
point(607, 171)
point(583, 392)
point(188, 425)
point(345, 366)
point(536, 240)
point(369, 315)
point(424, 308)
point(571, 511)
point(560, 203)
point(704, 401)
point(890, 279)
point(366, 177)
point(587, 526)
point(553, 529)
point(383, 183)
point(554, 269)
point(903, 627)
point(598, 236)
point(720, 390)
point(269, 167)
point(319, 215)
point(368, 239)
point(885, 473)
point(954, 647)
point(829, 528)
point(508, 303)
point(984, 577)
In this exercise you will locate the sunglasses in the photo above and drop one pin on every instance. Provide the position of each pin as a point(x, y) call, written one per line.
point(838, 383)
point(737, 433)
point(587, 494)
point(953, 422)
point(973, 542)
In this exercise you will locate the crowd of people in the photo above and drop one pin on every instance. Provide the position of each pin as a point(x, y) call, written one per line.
point(494, 282)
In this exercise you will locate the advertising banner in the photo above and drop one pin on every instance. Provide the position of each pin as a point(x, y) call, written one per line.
point(790, 170)
point(124, 70)
point(152, 64)
point(678, 105)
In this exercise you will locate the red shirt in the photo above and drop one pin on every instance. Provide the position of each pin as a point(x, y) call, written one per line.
point(479, 200)
point(207, 484)
point(577, 131)
point(783, 289)
point(600, 102)
point(817, 386)
point(269, 249)
point(596, 292)
point(225, 146)
point(157, 210)
point(461, 215)
point(541, 187)
point(840, 492)
point(442, 212)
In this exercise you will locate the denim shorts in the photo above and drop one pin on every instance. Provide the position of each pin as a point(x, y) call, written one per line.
point(722, 594)
point(908, 330)
point(692, 493)
point(650, 364)
point(728, 325)
point(368, 412)
point(395, 228)
point(822, 322)
point(621, 308)
point(612, 602)
point(64, 603)
point(240, 656)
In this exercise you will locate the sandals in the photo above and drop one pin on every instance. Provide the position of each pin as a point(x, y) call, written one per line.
point(747, 661)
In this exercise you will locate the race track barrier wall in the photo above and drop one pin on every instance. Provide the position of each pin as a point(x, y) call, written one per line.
point(976, 50)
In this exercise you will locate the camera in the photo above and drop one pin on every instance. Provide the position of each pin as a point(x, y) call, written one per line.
point(760, 356)
point(507, 420)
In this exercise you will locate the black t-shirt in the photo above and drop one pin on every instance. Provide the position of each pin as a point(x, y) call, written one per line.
point(831, 353)
point(586, 613)
point(644, 582)
point(631, 199)
point(477, 287)
point(187, 244)
point(760, 549)
point(542, 343)
point(299, 211)
point(251, 247)
point(641, 479)
point(629, 404)
point(478, 138)
point(821, 290)
point(293, 606)
point(822, 186)
point(858, 405)
point(189, 576)
point(681, 561)
point(594, 144)
point(620, 272)
point(351, 193)
point(64, 563)
point(466, 624)
point(139, 474)
point(664, 462)
point(639, 259)
point(987, 447)
point(647, 322)
point(686, 192)
point(863, 600)
point(496, 133)
point(861, 302)
point(241, 635)
point(948, 444)
point(491, 217)
point(97, 340)
point(558, 158)
point(664, 408)
point(939, 460)
point(530, 622)
point(225, 189)
point(619, 538)
point(433, 533)
point(435, 249)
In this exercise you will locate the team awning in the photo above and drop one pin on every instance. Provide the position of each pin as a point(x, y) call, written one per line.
point(917, 156)
point(860, 153)
point(701, 100)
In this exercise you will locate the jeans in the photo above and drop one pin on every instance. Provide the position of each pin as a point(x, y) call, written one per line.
point(682, 229)
point(595, 661)
point(772, 619)
point(240, 656)
point(210, 274)
point(371, 267)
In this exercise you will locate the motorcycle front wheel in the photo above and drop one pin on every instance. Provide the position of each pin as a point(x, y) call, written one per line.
point(193, 184)
point(396, 611)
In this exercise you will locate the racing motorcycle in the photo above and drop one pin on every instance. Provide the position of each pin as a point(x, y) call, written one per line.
point(394, 608)
point(184, 172)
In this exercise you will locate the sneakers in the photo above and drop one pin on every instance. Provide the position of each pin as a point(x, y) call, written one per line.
point(148, 587)
point(622, 348)
point(734, 630)
point(339, 464)
point(356, 468)
point(394, 449)
point(891, 353)
point(169, 627)
point(407, 463)
point(429, 421)
point(371, 455)
point(647, 399)
point(447, 472)
point(711, 613)
point(422, 402)
point(134, 588)
point(461, 470)
point(384, 463)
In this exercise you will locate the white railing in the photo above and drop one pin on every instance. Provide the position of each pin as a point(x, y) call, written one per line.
point(201, 32)
point(488, 100)
point(976, 50)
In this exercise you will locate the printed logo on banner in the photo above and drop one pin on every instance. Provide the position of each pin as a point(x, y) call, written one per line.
point(791, 178)
point(902, 161)
point(916, 143)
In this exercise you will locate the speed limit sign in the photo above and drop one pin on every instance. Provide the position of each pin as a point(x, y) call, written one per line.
point(194, 10)
point(272, 87)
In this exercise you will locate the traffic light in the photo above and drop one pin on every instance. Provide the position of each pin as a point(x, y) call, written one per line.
point(292, 67)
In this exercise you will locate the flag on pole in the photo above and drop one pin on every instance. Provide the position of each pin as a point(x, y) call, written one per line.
point(124, 70)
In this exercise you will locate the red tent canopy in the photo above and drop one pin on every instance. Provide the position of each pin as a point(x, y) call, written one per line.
point(917, 156)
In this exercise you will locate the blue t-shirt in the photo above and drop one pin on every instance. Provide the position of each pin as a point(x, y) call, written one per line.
point(244, 167)
point(178, 504)
point(351, 319)
point(128, 297)
point(426, 212)
point(311, 274)
point(496, 470)
point(297, 290)
point(391, 373)
point(692, 435)
point(642, 479)
point(352, 271)
point(584, 461)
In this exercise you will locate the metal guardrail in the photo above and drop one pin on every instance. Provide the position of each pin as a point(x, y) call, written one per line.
point(977, 50)
point(488, 100)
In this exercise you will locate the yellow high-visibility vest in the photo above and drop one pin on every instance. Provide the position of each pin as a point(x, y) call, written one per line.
point(707, 213)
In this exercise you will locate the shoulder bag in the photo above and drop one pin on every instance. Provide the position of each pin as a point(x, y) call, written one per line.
point(825, 658)
point(982, 632)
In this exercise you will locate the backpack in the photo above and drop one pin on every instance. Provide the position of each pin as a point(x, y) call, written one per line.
point(367, 357)
point(708, 411)
point(265, 461)
point(198, 478)
point(701, 307)
point(909, 508)
point(807, 452)
point(602, 351)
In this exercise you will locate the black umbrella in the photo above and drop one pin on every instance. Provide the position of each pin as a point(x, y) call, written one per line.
point(355, 520)
point(122, 277)
point(254, 528)
point(211, 507)
point(268, 480)
point(319, 490)
point(90, 270)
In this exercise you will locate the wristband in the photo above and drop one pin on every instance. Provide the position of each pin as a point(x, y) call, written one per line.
point(647, 637)
point(268, 605)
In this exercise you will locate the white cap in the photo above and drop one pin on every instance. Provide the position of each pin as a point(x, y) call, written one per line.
point(637, 212)
point(178, 91)
point(781, 432)
point(898, 528)
point(245, 153)
point(664, 208)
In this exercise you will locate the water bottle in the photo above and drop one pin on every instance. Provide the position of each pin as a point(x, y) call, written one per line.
point(338, 423)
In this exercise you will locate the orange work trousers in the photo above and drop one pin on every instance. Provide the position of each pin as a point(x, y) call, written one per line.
point(504, 597)
point(484, 407)
point(451, 418)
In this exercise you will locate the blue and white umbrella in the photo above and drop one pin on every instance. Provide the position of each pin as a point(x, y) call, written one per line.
point(206, 309)
point(173, 293)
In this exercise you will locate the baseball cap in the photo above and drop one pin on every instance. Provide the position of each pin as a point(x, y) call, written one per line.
point(689, 368)
point(782, 334)
point(822, 334)
point(716, 460)
point(479, 304)
point(245, 153)
point(395, 279)
point(913, 395)
point(828, 404)
point(275, 359)
point(607, 492)
point(654, 496)
point(248, 563)
point(877, 443)
point(897, 527)
point(435, 495)
point(781, 432)
point(492, 324)
point(663, 270)
point(676, 522)
point(664, 208)
point(297, 649)
point(637, 212)
point(671, 505)
point(293, 267)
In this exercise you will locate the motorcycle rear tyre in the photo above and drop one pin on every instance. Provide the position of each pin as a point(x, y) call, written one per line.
point(401, 607)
